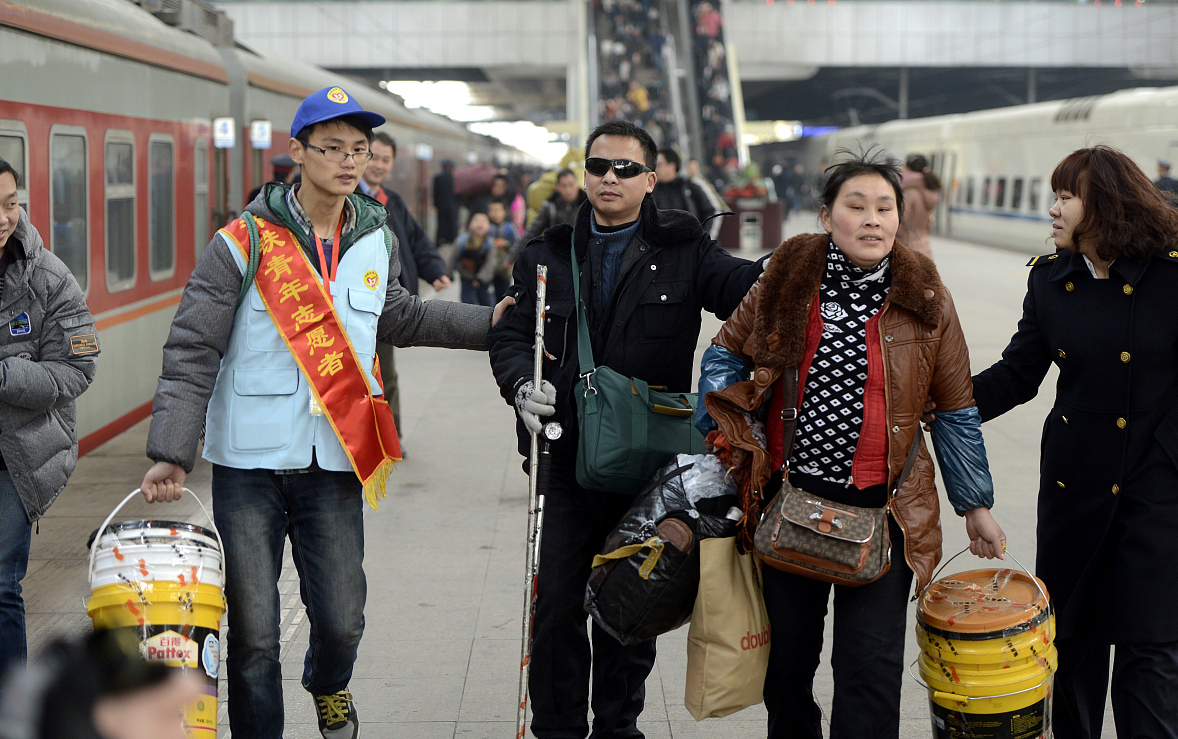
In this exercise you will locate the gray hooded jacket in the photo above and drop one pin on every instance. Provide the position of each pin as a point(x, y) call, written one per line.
point(200, 331)
point(47, 359)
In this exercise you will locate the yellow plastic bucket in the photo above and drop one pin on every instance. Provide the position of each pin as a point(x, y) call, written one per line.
point(163, 579)
point(987, 655)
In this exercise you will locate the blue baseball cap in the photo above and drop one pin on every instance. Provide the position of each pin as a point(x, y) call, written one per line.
point(328, 104)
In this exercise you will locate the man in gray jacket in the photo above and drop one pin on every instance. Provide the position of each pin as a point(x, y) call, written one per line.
point(46, 361)
point(264, 370)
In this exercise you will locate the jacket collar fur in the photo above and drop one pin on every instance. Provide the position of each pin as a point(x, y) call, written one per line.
point(659, 228)
point(792, 279)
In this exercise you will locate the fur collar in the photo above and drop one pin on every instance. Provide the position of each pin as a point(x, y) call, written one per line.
point(792, 278)
point(659, 228)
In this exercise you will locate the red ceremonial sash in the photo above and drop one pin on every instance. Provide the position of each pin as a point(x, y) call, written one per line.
point(307, 322)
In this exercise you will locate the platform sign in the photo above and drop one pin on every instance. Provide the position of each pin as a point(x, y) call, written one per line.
point(224, 133)
point(260, 134)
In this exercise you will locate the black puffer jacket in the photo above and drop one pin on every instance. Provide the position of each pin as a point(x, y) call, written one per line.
point(419, 257)
point(649, 329)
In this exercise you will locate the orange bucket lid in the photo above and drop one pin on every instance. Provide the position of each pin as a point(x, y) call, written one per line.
point(980, 602)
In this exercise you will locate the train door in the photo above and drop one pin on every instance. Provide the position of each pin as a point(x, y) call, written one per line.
point(944, 165)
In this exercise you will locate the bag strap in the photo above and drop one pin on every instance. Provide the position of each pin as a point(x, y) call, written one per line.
point(584, 348)
point(251, 267)
point(789, 414)
point(789, 428)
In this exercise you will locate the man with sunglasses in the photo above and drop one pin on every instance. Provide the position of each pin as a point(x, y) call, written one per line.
point(241, 361)
point(645, 276)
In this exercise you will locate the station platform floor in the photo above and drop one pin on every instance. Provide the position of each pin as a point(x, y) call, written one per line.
point(445, 552)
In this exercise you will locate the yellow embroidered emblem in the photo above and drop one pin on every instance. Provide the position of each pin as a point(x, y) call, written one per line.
point(337, 95)
point(371, 279)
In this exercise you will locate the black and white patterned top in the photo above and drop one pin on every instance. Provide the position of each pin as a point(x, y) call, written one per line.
point(831, 416)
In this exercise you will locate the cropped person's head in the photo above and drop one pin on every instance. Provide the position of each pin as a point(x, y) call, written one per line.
point(497, 212)
point(1105, 202)
point(9, 207)
point(479, 225)
point(566, 185)
point(862, 203)
point(667, 165)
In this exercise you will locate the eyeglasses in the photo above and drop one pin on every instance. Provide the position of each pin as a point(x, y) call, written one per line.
point(336, 155)
point(623, 168)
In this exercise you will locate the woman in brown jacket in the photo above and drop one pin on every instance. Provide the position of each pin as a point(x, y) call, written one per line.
point(873, 333)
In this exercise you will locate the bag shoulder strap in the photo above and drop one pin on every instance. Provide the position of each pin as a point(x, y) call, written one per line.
point(584, 348)
point(789, 427)
point(251, 268)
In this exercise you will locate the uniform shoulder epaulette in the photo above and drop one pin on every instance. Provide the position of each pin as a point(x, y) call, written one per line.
point(1042, 259)
point(1172, 255)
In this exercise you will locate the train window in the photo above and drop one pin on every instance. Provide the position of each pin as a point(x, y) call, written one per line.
point(14, 150)
point(1000, 193)
point(200, 205)
point(120, 211)
point(161, 207)
point(969, 187)
point(68, 200)
point(986, 191)
point(1016, 194)
point(1033, 194)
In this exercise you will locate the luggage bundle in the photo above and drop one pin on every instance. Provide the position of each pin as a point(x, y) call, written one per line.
point(644, 583)
point(474, 179)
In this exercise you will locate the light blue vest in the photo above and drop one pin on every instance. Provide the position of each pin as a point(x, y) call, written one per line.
point(259, 416)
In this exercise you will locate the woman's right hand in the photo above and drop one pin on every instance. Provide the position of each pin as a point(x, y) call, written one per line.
point(986, 538)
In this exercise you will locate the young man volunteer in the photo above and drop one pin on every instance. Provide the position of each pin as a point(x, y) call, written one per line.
point(645, 274)
point(284, 394)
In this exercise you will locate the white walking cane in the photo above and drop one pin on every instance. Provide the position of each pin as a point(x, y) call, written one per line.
point(538, 485)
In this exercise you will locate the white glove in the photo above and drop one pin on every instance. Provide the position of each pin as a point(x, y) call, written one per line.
point(531, 403)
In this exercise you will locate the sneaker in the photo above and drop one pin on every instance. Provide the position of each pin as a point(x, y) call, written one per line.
point(337, 716)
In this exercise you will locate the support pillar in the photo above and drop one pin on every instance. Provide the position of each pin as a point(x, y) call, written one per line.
point(1032, 85)
point(902, 98)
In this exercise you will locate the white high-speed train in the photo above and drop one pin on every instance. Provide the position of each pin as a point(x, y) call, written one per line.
point(997, 164)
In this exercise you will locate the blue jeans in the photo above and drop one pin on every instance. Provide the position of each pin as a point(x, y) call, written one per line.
point(322, 513)
point(477, 295)
point(15, 538)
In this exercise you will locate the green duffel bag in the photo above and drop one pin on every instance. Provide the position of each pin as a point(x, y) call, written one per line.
point(628, 429)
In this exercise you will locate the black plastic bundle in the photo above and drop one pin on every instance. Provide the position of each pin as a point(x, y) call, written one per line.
point(645, 581)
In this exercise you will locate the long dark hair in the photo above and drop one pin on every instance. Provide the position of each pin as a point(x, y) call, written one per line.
point(917, 163)
point(869, 161)
point(1125, 214)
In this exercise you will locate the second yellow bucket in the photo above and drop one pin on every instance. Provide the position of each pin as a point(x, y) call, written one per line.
point(163, 580)
point(987, 655)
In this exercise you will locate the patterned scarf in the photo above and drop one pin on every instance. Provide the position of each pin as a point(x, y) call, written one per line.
point(831, 416)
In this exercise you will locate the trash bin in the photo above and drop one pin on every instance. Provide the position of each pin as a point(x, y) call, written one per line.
point(756, 226)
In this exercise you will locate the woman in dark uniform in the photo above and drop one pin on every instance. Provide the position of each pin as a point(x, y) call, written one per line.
point(1104, 308)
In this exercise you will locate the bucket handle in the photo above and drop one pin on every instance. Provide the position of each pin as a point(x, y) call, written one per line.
point(119, 507)
point(1034, 581)
point(966, 698)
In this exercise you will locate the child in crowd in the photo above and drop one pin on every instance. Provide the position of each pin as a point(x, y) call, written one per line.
point(503, 235)
point(475, 263)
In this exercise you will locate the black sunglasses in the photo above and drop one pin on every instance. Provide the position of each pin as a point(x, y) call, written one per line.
point(623, 168)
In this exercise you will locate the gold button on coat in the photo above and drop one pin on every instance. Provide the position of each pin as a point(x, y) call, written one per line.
point(1116, 489)
point(1122, 423)
point(1128, 289)
point(1069, 286)
point(895, 429)
point(1125, 357)
point(1057, 482)
point(1063, 354)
